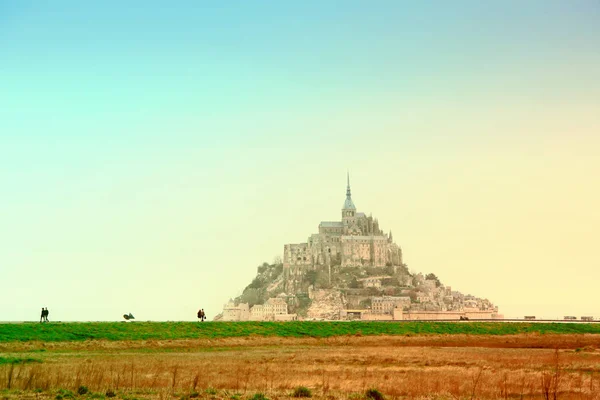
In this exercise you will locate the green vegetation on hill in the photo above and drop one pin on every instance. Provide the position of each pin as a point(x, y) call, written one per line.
point(270, 282)
point(257, 291)
point(80, 331)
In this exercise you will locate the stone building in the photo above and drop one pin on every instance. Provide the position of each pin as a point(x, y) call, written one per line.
point(274, 309)
point(386, 304)
point(232, 312)
point(356, 240)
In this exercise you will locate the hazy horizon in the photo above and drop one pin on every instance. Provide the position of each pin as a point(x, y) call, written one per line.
point(153, 157)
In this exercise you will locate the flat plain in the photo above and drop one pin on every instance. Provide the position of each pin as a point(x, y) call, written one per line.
point(243, 361)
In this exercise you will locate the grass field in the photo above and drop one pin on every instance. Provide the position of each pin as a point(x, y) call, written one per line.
point(254, 361)
point(51, 332)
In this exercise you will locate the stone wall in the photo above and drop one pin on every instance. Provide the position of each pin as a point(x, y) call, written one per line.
point(398, 315)
point(448, 315)
point(231, 312)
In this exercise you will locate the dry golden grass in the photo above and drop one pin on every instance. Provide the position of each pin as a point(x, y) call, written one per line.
point(433, 367)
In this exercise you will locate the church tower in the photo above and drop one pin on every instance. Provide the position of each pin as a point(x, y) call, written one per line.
point(349, 210)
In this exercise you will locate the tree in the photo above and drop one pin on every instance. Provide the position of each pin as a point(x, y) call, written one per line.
point(251, 296)
point(390, 281)
point(337, 260)
point(365, 303)
point(389, 269)
point(413, 296)
point(255, 284)
point(433, 277)
point(322, 279)
point(278, 270)
point(262, 268)
point(311, 276)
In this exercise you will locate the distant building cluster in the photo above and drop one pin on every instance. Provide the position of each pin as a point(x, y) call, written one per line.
point(387, 304)
point(424, 300)
point(274, 309)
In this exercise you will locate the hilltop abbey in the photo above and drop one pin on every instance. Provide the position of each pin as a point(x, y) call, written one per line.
point(350, 269)
point(356, 240)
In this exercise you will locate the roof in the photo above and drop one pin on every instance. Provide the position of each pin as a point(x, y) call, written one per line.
point(331, 224)
point(348, 204)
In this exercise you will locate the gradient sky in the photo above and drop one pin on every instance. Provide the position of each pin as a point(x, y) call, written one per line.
point(152, 156)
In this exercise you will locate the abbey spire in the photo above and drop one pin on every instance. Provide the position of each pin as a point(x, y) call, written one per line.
point(348, 204)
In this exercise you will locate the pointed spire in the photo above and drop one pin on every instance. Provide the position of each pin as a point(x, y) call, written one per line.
point(348, 204)
point(348, 194)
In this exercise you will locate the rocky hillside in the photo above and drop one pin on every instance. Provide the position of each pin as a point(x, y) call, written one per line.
point(323, 292)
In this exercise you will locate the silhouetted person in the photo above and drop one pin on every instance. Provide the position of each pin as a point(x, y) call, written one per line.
point(200, 314)
point(203, 315)
point(44, 314)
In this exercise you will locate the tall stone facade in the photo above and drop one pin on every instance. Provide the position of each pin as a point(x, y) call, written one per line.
point(356, 240)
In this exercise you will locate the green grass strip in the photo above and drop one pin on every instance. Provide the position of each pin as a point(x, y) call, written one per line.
point(79, 331)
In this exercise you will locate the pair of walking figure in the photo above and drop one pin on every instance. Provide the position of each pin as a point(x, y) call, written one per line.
point(44, 317)
point(201, 314)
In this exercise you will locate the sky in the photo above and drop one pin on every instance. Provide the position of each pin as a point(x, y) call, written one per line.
point(152, 156)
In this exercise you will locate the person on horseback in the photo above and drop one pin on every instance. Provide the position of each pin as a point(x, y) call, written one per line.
point(128, 316)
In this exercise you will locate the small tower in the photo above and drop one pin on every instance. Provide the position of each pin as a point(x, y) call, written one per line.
point(349, 210)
